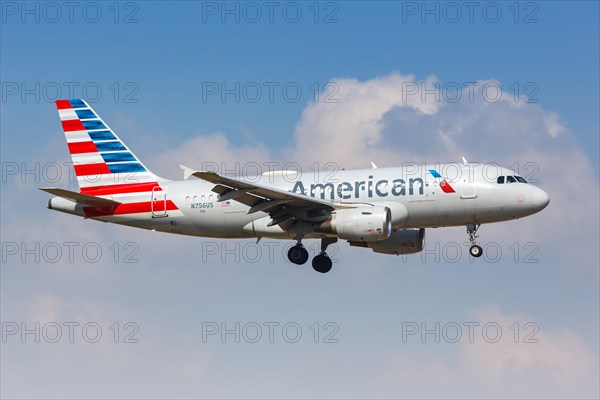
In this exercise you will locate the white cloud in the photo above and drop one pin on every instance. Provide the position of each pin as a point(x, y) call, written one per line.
point(563, 355)
point(212, 149)
point(341, 131)
point(372, 122)
point(561, 364)
point(553, 125)
point(45, 309)
point(380, 120)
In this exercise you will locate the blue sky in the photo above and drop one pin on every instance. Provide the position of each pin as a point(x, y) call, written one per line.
point(166, 59)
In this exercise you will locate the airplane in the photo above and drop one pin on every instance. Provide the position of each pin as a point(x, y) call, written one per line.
point(384, 209)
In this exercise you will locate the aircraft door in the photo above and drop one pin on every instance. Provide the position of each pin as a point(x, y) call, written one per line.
point(158, 202)
point(468, 190)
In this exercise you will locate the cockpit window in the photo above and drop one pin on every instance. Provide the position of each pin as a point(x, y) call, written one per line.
point(510, 179)
point(521, 179)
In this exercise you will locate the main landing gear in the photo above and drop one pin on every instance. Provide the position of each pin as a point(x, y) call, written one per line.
point(298, 254)
point(321, 263)
point(475, 249)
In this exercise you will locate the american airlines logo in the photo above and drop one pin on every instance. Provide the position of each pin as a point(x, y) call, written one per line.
point(369, 188)
point(446, 188)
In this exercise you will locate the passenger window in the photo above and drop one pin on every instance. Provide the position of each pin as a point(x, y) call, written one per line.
point(510, 179)
point(500, 179)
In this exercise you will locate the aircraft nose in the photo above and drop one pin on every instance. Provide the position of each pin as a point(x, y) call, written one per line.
point(540, 199)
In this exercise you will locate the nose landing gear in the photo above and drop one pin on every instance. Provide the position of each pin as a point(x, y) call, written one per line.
point(475, 250)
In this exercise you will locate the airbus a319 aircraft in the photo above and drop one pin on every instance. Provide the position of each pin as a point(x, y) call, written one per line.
point(384, 209)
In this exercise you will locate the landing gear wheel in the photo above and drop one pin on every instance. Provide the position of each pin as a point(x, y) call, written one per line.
point(322, 263)
point(298, 254)
point(476, 250)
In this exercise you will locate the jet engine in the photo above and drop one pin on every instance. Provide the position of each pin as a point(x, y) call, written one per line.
point(364, 224)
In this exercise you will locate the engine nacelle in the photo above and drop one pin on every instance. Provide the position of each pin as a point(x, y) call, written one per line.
point(364, 224)
point(405, 241)
point(399, 213)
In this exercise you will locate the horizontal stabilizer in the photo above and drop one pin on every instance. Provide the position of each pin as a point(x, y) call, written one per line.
point(80, 198)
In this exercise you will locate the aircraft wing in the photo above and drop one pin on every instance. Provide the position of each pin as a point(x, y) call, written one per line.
point(276, 202)
point(80, 198)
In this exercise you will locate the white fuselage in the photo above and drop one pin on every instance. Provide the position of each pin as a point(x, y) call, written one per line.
point(463, 194)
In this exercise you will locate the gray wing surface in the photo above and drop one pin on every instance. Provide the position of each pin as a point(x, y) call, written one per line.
point(282, 206)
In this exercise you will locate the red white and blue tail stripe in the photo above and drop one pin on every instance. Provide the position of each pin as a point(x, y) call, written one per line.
point(99, 157)
point(105, 167)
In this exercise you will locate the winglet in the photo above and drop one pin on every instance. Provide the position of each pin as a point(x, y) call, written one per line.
point(187, 172)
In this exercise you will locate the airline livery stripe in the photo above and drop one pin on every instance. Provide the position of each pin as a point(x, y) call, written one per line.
point(130, 197)
point(77, 136)
point(85, 114)
point(72, 125)
point(77, 103)
point(73, 103)
point(110, 146)
point(93, 124)
point(102, 135)
point(121, 188)
point(82, 147)
point(87, 158)
point(118, 157)
point(126, 168)
point(113, 179)
point(67, 114)
point(129, 208)
point(63, 104)
point(91, 169)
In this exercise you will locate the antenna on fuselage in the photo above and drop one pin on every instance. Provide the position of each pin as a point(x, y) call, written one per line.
point(373, 165)
point(465, 161)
